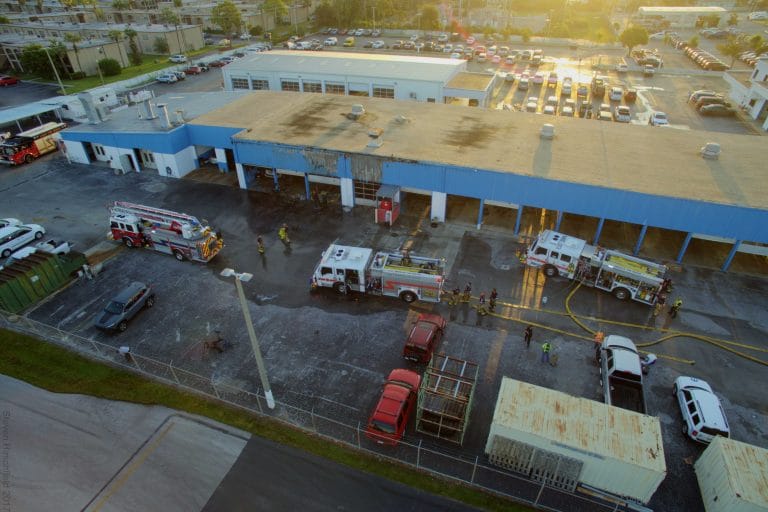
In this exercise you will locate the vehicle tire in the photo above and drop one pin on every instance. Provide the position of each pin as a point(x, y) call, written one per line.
point(340, 288)
point(150, 302)
point(38, 235)
point(621, 293)
point(127, 242)
point(550, 271)
point(179, 255)
point(685, 430)
point(674, 391)
point(28, 158)
point(6, 253)
point(122, 326)
point(408, 297)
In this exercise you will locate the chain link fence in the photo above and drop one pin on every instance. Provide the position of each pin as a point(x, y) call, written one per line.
point(330, 421)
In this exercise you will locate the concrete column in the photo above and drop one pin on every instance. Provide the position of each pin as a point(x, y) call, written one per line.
point(241, 176)
point(559, 220)
point(599, 231)
point(347, 193)
point(437, 211)
point(640, 239)
point(731, 255)
point(684, 247)
point(519, 219)
point(306, 185)
point(276, 179)
point(480, 214)
point(221, 159)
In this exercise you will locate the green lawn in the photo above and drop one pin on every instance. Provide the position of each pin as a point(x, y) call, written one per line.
point(53, 368)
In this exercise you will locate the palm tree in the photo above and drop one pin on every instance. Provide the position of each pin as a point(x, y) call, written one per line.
point(117, 36)
point(74, 39)
point(135, 54)
point(169, 17)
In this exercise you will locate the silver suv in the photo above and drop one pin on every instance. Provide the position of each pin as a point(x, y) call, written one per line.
point(703, 416)
point(124, 306)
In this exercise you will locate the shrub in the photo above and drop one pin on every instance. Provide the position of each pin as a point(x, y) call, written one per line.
point(78, 75)
point(109, 67)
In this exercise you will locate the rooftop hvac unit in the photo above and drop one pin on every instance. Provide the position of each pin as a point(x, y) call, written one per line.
point(547, 131)
point(710, 151)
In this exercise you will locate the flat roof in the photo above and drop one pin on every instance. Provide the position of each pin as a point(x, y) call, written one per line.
point(580, 423)
point(193, 105)
point(471, 81)
point(691, 10)
point(640, 158)
point(96, 25)
point(389, 67)
point(745, 467)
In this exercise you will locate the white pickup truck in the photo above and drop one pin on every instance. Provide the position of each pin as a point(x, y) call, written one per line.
point(48, 246)
point(621, 374)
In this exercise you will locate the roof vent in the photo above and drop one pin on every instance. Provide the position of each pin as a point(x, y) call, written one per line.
point(401, 119)
point(357, 112)
point(548, 131)
point(710, 151)
point(375, 133)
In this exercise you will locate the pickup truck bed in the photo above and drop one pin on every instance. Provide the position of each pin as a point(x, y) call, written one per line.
point(627, 394)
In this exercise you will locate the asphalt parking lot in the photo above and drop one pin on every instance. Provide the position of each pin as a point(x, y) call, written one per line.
point(331, 353)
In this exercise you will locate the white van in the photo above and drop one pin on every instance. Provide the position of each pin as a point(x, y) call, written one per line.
point(703, 416)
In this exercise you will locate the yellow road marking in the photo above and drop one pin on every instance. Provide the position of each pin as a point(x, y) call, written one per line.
point(132, 467)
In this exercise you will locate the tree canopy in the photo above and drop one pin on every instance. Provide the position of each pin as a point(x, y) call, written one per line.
point(227, 16)
point(35, 61)
point(430, 18)
point(633, 36)
point(275, 6)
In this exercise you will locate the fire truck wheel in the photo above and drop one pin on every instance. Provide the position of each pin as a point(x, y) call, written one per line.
point(28, 158)
point(408, 297)
point(621, 293)
point(128, 242)
point(550, 271)
point(38, 235)
point(122, 326)
point(6, 253)
point(340, 288)
point(178, 255)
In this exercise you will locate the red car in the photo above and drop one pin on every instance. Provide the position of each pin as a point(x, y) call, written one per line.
point(193, 70)
point(217, 64)
point(387, 423)
point(6, 80)
point(423, 338)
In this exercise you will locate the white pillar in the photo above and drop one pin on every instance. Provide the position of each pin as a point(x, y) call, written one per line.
point(221, 159)
point(241, 176)
point(439, 200)
point(347, 193)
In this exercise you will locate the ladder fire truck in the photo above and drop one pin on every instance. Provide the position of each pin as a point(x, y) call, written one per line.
point(163, 230)
point(621, 274)
point(398, 274)
point(26, 146)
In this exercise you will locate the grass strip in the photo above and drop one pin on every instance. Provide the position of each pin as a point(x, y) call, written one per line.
point(56, 369)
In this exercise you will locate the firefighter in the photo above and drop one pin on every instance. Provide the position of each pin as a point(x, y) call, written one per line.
point(282, 233)
point(675, 307)
point(454, 297)
point(492, 300)
point(467, 292)
point(260, 243)
point(481, 309)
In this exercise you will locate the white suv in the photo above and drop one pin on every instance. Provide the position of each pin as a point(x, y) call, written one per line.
point(15, 237)
point(703, 416)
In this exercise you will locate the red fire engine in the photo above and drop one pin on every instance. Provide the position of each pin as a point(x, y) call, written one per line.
point(31, 144)
point(165, 231)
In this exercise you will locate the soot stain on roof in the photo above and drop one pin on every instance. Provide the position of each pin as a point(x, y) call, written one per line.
point(310, 119)
point(470, 132)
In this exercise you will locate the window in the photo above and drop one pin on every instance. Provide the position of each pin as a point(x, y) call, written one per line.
point(313, 86)
point(289, 85)
point(555, 255)
point(383, 92)
point(565, 258)
point(326, 270)
point(240, 83)
point(366, 190)
point(430, 100)
point(334, 88)
point(541, 251)
point(260, 85)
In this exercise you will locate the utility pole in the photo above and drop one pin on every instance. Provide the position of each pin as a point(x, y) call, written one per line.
point(55, 72)
point(374, 16)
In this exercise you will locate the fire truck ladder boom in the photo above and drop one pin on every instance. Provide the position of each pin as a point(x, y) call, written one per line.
point(155, 214)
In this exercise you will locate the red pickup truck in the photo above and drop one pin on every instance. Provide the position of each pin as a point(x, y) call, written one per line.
point(423, 338)
point(387, 423)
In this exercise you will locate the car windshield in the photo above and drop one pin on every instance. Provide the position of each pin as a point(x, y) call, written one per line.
point(114, 307)
point(387, 428)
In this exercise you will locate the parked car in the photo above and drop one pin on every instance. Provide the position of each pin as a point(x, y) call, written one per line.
point(658, 119)
point(193, 70)
point(532, 104)
point(605, 114)
point(180, 75)
point(124, 306)
point(716, 109)
point(538, 78)
point(167, 78)
point(379, 45)
point(349, 42)
point(552, 79)
point(549, 110)
point(616, 94)
point(703, 415)
point(696, 95)
point(567, 87)
point(386, 424)
point(228, 60)
point(178, 59)
point(567, 111)
point(582, 91)
point(523, 83)
point(649, 70)
point(203, 66)
point(331, 41)
point(16, 237)
point(225, 42)
point(509, 77)
point(622, 114)
point(630, 95)
point(424, 337)
point(481, 57)
point(622, 68)
point(709, 100)
point(376, 33)
point(217, 64)
point(4, 223)
point(6, 80)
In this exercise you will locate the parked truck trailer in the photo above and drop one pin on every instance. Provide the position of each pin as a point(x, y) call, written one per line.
point(576, 444)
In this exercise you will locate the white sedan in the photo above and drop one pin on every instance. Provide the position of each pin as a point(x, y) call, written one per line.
point(379, 44)
point(4, 223)
point(16, 237)
point(658, 119)
point(622, 114)
point(178, 59)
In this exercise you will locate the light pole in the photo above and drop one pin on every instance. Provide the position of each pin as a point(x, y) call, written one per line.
point(374, 16)
point(56, 73)
point(245, 277)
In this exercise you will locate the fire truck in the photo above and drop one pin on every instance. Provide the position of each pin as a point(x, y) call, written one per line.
point(392, 274)
point(622, 275)
point(179, 234)
point(26, 146)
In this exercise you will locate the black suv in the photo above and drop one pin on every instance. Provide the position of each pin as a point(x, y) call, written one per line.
point(124, 306)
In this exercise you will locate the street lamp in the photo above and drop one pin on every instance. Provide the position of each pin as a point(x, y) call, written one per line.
point(245, 277)
point(55, 72)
